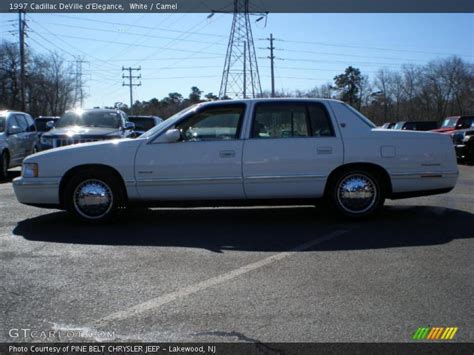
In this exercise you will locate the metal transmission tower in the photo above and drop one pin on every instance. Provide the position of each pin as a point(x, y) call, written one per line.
point(79, 83)
point(240, 77)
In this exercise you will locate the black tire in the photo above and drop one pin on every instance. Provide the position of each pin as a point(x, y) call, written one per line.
point(357, 193)
point(4, 162)
point(105, 196)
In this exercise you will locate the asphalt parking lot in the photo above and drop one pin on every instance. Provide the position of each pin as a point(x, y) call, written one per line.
point(242, 274)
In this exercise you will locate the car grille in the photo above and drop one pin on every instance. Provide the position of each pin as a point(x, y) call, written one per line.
point(61, 142)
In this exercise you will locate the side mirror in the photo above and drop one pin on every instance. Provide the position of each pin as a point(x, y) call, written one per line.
point(129, 126)
point(50, 124)
point(14, 130)
point(170, 136)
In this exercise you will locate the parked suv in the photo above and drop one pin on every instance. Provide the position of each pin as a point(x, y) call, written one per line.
point(82, 126)
point(463, 140)
point(416, 125)
point(454, 123)
point(18, 139)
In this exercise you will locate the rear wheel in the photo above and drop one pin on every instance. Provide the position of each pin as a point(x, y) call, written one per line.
point(93, 196)
point(4, 162)
point(357, 194)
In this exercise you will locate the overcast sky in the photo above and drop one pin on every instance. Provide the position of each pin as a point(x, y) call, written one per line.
point(177, 51)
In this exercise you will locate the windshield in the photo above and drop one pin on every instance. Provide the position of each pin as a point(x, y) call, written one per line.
point(449, 123)
point(399, 125)
point(142, 123)
point(169, 122)
point(90, 119)
point(2, 124)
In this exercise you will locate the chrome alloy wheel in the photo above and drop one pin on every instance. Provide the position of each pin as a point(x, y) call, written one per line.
point(93, 199)
point(357, 193)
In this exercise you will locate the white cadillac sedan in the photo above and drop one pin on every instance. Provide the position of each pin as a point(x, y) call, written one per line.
point(244, 152)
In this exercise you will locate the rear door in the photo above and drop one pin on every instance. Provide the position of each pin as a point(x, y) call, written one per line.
point(24, 135)
point(31, 134)
point(291, 150)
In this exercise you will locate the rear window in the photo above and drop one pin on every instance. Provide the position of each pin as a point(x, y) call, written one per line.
point(142, 123)
point(41, 125)
point(2, 124)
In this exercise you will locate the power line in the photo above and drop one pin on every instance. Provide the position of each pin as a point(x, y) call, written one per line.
point(131, 34)
point(145, 27)
point(128, 43)
point(372, 48)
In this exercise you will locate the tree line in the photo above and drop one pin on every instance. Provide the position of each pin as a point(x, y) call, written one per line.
point(429, 92)
point(432, 91)
point(49, 83)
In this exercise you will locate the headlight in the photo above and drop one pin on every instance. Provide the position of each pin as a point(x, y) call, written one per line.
point(46, 140)
point(30, 170)
point(466, 139)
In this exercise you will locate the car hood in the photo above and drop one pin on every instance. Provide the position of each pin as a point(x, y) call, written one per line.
point(80, 131)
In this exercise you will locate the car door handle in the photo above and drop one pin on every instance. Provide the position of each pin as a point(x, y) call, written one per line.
point(324, 150)
point(227, 153)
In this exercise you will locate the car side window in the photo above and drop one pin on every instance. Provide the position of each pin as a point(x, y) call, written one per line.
point(320, 122)
point(22, 122)
point(11, 123)
point(213, 124)
point(280, 121)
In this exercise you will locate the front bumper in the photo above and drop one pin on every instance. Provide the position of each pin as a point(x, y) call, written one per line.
point(464, 151)
point(37, 191)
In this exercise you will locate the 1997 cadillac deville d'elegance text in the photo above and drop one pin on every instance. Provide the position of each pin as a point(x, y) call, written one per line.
point(264, 151)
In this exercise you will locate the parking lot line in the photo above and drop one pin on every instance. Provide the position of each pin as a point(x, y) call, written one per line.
point(200, 286)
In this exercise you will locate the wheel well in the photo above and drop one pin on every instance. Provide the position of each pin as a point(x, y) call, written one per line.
point(374, 168)
point(93, 167)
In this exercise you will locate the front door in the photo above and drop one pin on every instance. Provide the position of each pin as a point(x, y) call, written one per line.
point(291, 151)
point(15, 141)
point(206, 163)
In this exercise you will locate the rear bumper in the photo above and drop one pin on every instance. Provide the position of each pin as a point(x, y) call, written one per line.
point(37, 191)
point(406, 185)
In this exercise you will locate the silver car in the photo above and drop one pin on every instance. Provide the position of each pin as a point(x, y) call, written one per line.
point(18, 139)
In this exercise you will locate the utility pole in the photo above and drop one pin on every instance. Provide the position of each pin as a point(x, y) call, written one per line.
point(272, 59)
point(131, 84)
point(21, 28)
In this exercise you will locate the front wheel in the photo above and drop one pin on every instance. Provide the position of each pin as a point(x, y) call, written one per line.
point(3, 166)
point(357, 194)
point(93, 197)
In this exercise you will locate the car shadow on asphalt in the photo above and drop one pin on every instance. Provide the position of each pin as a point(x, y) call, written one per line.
point(256, 229)
point(11, 175)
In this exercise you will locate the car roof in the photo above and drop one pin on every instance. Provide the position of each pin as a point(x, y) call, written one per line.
point(271, 99)
point(6, 112)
